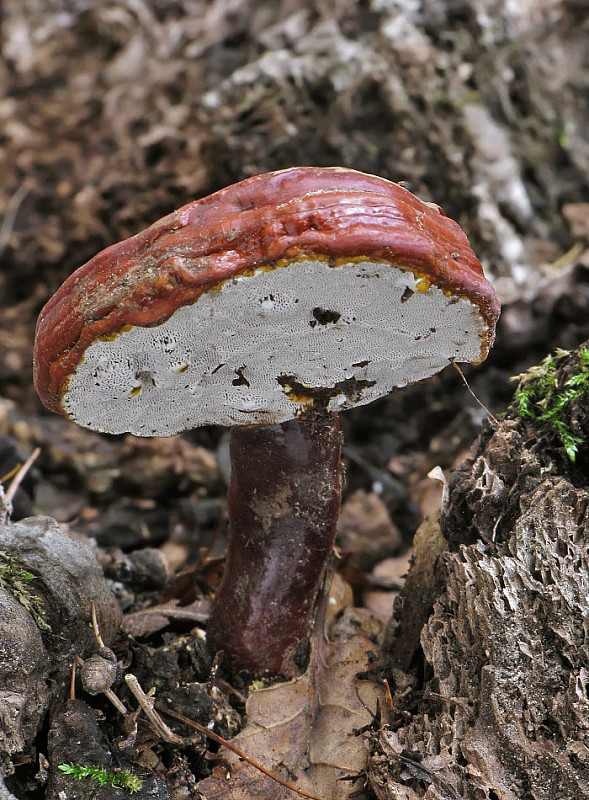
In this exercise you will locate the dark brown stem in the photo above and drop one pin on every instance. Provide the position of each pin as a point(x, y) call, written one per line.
point(283, 504)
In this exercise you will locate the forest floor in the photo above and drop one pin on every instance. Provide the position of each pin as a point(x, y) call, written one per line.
point(114, 114)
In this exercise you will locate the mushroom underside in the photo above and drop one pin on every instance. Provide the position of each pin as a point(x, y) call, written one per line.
point(263, 347)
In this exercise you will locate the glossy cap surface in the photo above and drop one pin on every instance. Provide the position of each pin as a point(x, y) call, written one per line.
point(305, 287)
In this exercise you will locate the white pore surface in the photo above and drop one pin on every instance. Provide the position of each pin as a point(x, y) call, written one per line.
point(218, 361)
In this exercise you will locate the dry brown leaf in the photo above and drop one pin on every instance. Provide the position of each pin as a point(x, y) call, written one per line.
point(303, 730)
point(335, 751)
point(577, 216)
point(379, 599)
point(150, 620)
point(366, 530)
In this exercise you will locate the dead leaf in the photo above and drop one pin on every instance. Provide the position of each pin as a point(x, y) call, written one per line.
point(366, 530)
point(149, 620)
point(304, 730)
point(577, 216)
point(385, 581)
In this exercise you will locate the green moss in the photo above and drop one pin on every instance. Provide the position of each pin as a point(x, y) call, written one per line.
point(17, 580)
point(116, 778)
point(540, 396)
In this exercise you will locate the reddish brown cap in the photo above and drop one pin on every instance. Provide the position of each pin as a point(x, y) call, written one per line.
point(280, 263)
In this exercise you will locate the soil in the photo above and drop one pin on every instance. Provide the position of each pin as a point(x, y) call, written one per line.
point(114, 114)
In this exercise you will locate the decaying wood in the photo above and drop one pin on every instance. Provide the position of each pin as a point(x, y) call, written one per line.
point(506, 650)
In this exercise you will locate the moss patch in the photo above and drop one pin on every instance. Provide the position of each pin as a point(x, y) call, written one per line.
point(543, 396)
point(17, 580)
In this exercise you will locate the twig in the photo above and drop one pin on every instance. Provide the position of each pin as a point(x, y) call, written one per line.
point(146, 702)
point(8, 475)
point(10, 217)
point(480, 402)
point(388, 695)
point(95, 627)
point(19, 477)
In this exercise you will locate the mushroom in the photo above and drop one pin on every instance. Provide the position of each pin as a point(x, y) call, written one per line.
point(269, 306)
